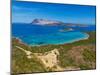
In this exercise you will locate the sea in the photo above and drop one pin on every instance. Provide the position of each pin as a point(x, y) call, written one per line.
point(35, 35)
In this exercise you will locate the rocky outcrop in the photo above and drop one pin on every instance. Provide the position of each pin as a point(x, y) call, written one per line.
point(53, 22)
point(45, 22)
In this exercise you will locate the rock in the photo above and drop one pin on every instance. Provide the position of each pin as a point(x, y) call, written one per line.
point(45, 22)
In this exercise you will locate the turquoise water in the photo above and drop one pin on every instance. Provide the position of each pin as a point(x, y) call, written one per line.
point(57, 38)
point(44, 35)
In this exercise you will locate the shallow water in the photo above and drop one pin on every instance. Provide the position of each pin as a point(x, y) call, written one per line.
point(44, 35)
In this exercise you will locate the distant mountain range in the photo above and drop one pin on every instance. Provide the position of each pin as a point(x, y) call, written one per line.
point(52, 22)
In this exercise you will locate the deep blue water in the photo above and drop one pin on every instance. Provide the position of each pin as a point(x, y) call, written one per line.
point(44, 35)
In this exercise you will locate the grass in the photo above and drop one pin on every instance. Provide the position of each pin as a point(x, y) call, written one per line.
point(84, 67)
point(89, 55)
point(66, 60)
point(91, 40)
point(21, 64)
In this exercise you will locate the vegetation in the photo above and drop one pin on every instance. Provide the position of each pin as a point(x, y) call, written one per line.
point(91, 40)
point(66, 61)
point(84, 67)
point(21, 64)
point(89, 55)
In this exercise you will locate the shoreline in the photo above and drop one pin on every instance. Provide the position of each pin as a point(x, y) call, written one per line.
point(80, 39)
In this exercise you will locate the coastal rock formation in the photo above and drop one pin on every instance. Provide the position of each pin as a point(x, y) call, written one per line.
point(53, 22)
point(45, 22)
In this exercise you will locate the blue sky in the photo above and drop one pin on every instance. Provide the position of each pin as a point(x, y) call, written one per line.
point(25, 12)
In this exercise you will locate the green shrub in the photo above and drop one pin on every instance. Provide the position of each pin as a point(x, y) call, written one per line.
point(89, 55)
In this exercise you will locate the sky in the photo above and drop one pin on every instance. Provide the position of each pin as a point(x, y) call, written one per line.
point(26, 12)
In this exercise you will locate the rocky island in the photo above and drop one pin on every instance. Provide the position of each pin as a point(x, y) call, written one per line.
point(45, 22)
point(54, 22)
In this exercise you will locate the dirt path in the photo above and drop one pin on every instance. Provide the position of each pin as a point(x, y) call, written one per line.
point(49, 59)
point(28, 53)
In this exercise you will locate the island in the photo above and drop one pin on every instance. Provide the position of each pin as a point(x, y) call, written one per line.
point(45, 22)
